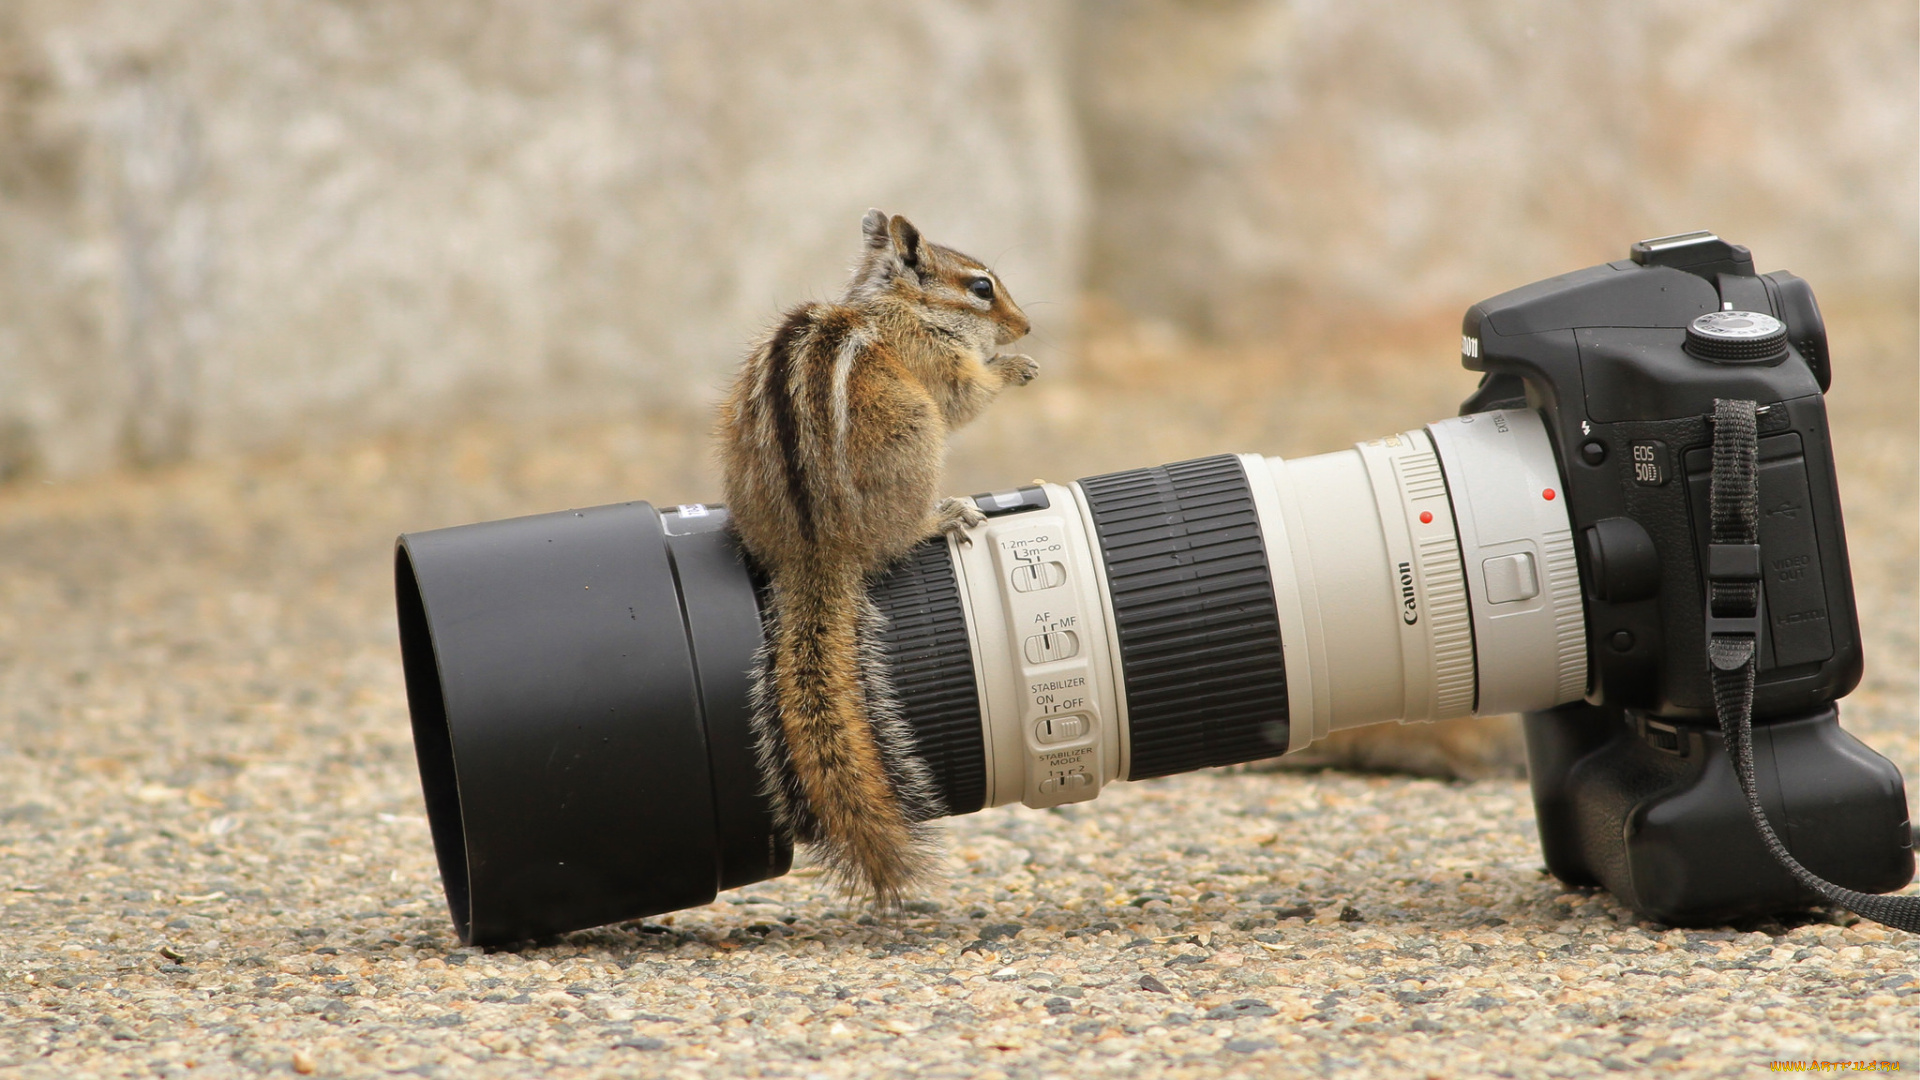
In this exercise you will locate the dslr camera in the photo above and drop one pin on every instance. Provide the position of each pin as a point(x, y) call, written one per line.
point(579, 681)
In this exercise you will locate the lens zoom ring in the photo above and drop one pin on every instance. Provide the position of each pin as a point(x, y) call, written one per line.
point(1194, 614)
point(931, 659)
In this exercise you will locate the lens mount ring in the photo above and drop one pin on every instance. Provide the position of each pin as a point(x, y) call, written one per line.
point(1516, 546)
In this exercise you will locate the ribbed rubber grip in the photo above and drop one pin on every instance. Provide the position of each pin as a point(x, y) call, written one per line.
point(927, 648)
point(1193, 607)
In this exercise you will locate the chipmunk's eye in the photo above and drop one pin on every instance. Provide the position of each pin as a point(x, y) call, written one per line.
point(981, 287)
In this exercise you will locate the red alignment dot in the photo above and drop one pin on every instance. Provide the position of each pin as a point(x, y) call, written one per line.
point(1426, 517)
point(1547, 494)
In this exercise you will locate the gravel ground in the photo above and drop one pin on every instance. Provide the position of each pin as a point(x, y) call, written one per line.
point(213, 858)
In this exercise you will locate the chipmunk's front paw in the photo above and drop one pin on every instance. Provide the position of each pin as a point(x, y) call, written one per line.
point(1018, 369)
point(954, 516)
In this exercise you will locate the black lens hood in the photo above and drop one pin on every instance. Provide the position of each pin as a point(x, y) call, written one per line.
point(581, 729)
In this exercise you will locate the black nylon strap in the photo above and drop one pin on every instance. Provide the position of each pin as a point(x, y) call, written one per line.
point(1732, 600)
point(1735, 499)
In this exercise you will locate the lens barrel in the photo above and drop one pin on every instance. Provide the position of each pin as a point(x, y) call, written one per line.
point(579, 682)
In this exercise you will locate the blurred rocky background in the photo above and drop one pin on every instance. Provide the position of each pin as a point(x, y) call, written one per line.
point(232, 227)
point(1252, 160)
point(228, 226)
point(454, 259)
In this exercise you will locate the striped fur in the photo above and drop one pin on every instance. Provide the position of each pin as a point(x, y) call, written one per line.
point(832, 443)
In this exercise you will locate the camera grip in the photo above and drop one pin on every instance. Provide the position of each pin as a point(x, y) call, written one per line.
point(1654, 813)
point(1557, 740)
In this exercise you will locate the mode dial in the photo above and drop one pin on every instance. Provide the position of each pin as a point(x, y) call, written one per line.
point(1737, 337)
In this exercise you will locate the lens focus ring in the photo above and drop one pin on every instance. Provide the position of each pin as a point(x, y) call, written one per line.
point(1204, 679)
point(932, 666)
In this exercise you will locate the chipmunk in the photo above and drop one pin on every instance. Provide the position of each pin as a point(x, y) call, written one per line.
point(832, 444)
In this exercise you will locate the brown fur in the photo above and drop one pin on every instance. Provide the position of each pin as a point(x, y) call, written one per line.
point(832, 445)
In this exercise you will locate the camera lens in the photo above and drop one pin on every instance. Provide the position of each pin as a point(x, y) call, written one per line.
point(1231, 608)
point(579, 682)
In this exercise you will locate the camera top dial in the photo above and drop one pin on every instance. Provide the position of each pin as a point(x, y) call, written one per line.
point(1737, 337)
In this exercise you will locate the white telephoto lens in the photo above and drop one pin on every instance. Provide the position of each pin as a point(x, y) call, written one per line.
point(1225, 609)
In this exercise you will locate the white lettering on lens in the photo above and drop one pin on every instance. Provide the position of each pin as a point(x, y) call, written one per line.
point(1409, 610)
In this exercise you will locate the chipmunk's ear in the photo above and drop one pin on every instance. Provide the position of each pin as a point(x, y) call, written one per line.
point(893, 252)
point(906, 243)
point(874, 228)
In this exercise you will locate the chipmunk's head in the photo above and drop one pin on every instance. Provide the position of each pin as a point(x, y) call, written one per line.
point(955, 291)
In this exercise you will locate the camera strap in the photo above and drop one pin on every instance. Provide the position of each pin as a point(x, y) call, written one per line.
point(1734, 611)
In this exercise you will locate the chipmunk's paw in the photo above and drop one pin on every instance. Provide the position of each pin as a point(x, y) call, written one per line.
point(1018, 369)
point(955, 515)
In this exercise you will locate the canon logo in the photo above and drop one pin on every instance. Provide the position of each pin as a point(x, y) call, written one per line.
point(1409, 609)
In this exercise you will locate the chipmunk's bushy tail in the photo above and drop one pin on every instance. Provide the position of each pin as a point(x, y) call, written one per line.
point(838, 757)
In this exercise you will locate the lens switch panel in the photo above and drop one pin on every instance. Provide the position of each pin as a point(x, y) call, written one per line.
point(1046, 623)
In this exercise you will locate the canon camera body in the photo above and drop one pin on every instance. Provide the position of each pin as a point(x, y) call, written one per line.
point(1634, 791)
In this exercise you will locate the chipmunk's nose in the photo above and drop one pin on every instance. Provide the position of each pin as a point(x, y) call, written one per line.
point(1014, 327)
